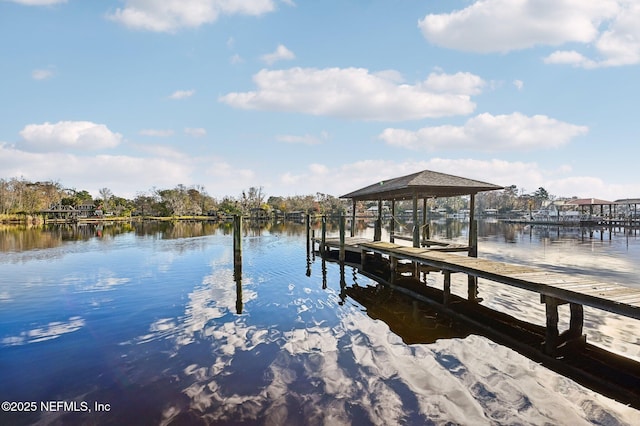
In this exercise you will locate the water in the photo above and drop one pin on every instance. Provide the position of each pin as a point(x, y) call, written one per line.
point(149, 324)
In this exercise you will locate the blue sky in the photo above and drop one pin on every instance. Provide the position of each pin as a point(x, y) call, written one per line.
point(326, 96)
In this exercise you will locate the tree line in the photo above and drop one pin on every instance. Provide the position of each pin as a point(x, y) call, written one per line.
point(21, 196)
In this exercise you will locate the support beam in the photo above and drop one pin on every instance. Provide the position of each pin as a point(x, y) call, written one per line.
point(353, 219)
point(323, 236)
point(416, 222)
point(447, 288)
point(377, 233)
point(393, 221)
point(342, 230)
point(472, 287)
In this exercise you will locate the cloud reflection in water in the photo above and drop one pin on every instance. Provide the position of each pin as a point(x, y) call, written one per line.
point(53, 330)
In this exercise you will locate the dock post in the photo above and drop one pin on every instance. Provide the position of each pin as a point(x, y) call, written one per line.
point(446, 291)
point(425, 225)
point(551, 338)
point(353, 218)
point(237, 277)
point(416, 222)
point(237, 260)
point(323, 235)
point(237, 242)
point(308, 225)
point(393, 221)
point(342, 226)
point(377, 233)
point(576, 321)
point(472, 290)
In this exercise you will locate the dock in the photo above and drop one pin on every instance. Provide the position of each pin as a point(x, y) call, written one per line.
point(554, 288)
point(567, 352)
point(402, 267)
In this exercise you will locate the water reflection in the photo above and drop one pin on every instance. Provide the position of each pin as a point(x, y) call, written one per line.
point(157, 322)
point(53, 330)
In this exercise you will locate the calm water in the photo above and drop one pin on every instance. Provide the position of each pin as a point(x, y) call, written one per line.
point(151, 323)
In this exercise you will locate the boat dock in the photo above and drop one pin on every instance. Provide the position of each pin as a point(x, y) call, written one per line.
point(568, 352)
point(554, 288)
point(403, 267)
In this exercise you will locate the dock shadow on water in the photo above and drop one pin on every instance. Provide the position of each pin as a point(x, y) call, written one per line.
point(156, 324)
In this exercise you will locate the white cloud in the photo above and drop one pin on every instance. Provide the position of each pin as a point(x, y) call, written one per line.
point(196, 132)
point(41, 74)
point(559, 181)
point(182, 94)
point(159, 133)
point(519, 84)
point(38, 2)
point(123, 174)
point(304, 139)
point(236, 59)
point(281, 54)
point(489, 132)
point(355, 93)
point(607, 26)
point(569, 57)
point(81, 135)
point(172, 15)
point(461, 83)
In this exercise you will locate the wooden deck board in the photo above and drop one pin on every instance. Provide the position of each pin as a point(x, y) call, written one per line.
point(586, 291)
point(608, 296)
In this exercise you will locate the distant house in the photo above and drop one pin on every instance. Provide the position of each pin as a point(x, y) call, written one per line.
point(258, 213)
point(86, 209)
point(296, 216)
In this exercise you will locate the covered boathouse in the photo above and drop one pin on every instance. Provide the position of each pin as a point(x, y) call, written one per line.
point(567, 352)
point(420, 186)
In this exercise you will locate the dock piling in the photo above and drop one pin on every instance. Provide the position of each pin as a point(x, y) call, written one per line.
point(342, 230)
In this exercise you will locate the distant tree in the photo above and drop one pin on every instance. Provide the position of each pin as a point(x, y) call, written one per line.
point(145, 205)
point(105, 196)
point(539, 196)
point(228, 205)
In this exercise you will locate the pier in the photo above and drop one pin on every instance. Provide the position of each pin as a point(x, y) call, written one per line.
point(404, 268)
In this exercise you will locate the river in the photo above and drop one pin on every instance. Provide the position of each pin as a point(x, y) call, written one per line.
point(147, 323)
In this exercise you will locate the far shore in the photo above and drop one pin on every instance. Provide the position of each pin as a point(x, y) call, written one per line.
point(20, 219)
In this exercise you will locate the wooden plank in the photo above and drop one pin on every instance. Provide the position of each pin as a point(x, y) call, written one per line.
point(548, 278)
point(629, 300)
point(610, 292)
point(580, 290)
point(380, 245)
point(410, 250)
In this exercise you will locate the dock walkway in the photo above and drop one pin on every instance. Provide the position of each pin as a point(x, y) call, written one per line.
point(554, 288)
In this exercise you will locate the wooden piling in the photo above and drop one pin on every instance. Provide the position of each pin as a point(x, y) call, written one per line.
point(308, 225)
point(393, 221)
point(342, 230)
point(323, 235)
point(416, 222)
point(237, 260)
point(446, 293)
point(237, 241)
point(377, 233)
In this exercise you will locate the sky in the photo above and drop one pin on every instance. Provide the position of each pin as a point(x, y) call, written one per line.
point(300, 97)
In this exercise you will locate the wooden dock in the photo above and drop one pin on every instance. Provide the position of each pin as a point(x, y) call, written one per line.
point(400, 267)
point(554, 288)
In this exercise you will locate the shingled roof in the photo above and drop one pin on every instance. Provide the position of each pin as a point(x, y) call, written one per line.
point(424, 184)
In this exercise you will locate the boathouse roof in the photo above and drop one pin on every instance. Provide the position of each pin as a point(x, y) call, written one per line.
point(424, 184)
point(589, 202)
point(628, 201)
